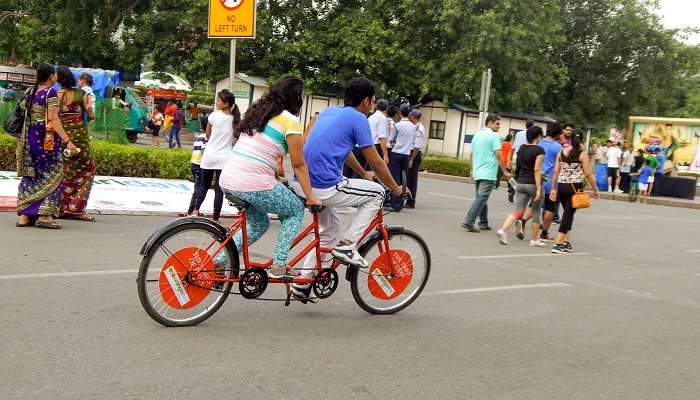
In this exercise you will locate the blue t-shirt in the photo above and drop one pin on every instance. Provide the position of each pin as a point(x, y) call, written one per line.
point(336, 131)
point(551, 151)
point(484, 162)
point(662, 159)
point(644, 175)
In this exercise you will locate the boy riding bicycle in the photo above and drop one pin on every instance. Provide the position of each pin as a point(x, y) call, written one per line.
point(335, 133)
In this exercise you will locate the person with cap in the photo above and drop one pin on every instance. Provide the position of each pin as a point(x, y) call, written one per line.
point(416, 156)
point(379, 124)
point(403, 136)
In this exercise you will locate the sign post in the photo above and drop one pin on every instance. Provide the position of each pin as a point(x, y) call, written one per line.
point(232, 19)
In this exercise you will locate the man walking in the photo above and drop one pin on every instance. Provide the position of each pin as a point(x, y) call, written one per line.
point(403, 136)
point(614, 157)
point(551, 148)
point(486, 159)
point(416, 156)
point(520, 139)
point(379, 123)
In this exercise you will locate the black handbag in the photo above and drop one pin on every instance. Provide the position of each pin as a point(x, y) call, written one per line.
point(15, 121)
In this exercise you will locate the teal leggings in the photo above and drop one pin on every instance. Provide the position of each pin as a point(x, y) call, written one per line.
point(279, 200)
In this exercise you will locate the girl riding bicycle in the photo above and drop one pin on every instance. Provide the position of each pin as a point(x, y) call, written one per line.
point(270, 129)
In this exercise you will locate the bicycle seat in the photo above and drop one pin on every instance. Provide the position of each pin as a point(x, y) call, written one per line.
point(240, 204)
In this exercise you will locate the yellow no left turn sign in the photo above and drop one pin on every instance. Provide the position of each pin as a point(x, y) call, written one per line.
point(232, 19)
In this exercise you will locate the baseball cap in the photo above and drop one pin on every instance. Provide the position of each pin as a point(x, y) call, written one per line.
point(381, 103)
point(415, 113)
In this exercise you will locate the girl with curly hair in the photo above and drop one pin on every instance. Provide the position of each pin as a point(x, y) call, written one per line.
point(269, 130)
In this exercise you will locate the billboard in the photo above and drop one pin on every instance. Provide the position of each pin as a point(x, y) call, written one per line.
point(679, 138)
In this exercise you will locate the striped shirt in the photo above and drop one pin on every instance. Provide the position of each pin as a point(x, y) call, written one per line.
point(200, 143)
point(252, 164)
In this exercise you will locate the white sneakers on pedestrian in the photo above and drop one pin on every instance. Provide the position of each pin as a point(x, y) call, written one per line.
point(537, 243)
point(502, 236)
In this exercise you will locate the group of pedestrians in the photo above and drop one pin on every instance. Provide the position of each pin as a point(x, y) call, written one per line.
point(170, 121)
point(399, 137)
point(54, 159)
point(548, 173)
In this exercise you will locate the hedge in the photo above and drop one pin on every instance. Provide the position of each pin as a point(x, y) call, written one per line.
point(124, 160)
point(446, 166)
point(120, 160)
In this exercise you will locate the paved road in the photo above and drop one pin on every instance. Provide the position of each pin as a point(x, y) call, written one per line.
point(620, 320)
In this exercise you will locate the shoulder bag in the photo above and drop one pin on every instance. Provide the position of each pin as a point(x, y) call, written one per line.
point(580, 199)
point(15, 121)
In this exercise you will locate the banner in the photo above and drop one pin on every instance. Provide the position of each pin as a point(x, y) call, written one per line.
point(679, 138)
point(126, 195)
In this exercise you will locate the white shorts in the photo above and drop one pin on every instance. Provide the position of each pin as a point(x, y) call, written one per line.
point(643, 186)
point(651, 179)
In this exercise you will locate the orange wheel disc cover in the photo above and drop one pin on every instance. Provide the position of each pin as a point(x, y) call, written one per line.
point(388, 280)
point(174, 290)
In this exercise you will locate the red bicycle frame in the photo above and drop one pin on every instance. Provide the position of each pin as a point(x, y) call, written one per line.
point(240, 223)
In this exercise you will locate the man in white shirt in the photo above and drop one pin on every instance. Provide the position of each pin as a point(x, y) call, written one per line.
point(416, 156)
point(614, 157)
point(520, 139)
point(403, 136)
point(379, 124)
point(626, 168)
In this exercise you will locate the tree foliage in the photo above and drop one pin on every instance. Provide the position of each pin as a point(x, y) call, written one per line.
point(592, 61)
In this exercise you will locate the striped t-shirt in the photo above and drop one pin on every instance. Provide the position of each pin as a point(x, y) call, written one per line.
point(253, 161)
point(200, 143)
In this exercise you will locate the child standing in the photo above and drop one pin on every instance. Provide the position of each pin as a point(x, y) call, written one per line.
point(646, 176)
point(200, 143)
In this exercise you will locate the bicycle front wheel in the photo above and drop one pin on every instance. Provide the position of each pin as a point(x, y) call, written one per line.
point(169, 291)
point(396, 277)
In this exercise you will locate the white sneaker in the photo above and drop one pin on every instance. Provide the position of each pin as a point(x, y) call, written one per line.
point(346, 254)
point(537, 243)
point(502, 237)
point(610, 190)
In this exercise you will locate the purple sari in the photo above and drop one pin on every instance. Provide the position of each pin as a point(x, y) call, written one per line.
point(40, 189)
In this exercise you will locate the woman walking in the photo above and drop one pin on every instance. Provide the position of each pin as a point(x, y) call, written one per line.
point(269, 130)
point(528, 191)
point(78, 170)
point(220, 137)
point(571, 170)
point(39, 155)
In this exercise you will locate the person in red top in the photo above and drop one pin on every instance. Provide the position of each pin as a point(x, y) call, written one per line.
point(171, 109)
point(506, 150)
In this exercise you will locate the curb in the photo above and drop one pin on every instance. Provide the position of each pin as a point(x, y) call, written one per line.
point(659, 201)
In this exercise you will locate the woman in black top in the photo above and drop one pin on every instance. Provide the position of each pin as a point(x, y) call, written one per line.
point(529, 186)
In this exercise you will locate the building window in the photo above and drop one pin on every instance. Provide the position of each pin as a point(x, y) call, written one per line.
point(437, 130)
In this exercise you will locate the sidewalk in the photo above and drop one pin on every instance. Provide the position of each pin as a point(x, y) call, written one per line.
point(661, 201)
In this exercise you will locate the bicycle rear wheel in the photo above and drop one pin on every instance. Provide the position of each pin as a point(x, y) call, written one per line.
point(386, 288)
point(167, 293)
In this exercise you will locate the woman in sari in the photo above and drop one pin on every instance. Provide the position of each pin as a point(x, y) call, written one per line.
point(78, 170)
point(39, 155)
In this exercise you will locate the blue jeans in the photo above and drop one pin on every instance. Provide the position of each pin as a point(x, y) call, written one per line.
point(398, 163)
point(174, 133)
point(480, 207)
point(197, 180)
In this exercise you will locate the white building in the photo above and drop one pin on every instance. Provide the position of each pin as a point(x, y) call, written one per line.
point(247, 89)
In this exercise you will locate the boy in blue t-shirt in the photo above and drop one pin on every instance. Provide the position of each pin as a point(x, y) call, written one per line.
point(335, 133)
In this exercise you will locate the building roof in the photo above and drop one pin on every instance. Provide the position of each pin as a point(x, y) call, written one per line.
point(17, 70)
point(251, 80)
point(463, 108)
point(536, 118)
